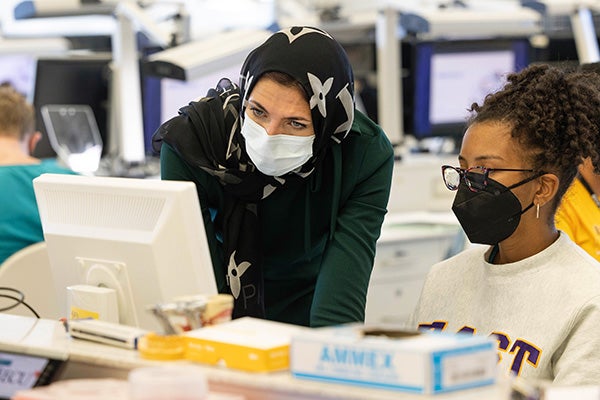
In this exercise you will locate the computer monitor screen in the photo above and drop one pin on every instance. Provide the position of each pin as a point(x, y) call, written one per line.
point(163, 97)
point(143, 238)
point(450, 76)
point(176, 93)
point(18, 70)
point(72, 80)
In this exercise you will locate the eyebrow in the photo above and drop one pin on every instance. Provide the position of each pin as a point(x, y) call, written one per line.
point(482, 158)
point(290, 118)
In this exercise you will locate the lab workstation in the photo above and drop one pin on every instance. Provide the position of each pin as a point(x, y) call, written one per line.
point(299, 199)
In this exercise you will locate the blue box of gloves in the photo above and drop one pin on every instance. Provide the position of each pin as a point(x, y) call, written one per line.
point(426, 363)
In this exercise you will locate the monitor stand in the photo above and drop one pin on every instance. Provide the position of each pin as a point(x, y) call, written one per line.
point(115, 166)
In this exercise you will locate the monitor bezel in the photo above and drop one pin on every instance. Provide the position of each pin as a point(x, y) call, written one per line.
point(420, 125)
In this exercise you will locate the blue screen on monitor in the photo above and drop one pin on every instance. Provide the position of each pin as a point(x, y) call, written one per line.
point(450, 76)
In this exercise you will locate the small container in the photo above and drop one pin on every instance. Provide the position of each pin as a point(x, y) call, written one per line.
point(169, 382)
point(162, 347)
point(219, 308)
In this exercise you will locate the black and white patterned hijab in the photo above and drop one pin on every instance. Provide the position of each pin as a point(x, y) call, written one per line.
point(320, 64)
point(206, 134)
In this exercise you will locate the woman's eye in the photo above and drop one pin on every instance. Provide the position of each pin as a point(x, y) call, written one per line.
point(257, 112)
point(297, 125)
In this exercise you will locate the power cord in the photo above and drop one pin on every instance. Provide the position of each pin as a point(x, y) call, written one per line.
point(18, 300)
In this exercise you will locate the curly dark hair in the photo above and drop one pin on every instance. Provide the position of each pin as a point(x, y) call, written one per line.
point(554, 114)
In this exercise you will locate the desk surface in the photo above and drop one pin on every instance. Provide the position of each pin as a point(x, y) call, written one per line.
point(48, 338)
point(418, 225)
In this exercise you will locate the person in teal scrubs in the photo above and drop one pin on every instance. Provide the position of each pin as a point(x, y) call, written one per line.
point(20, 224)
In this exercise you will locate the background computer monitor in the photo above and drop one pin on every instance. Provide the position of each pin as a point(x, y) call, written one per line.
point(448, 76)
point(72, 80)
point(163, 97)
point(176, 93)
point(143, 238)
point(74, 135)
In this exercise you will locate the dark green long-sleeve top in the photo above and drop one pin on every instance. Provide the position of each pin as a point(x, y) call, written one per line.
point(318, 235)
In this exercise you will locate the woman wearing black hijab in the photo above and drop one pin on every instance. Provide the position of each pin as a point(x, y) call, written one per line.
point(292, 180)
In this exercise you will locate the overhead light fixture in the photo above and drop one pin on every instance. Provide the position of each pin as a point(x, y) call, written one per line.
point(43, 18)
point(467, 23)
point(195, 59)
point(582, 23)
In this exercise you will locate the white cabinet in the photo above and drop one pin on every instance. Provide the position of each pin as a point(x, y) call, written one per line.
point(417, 184)
point(410, 244)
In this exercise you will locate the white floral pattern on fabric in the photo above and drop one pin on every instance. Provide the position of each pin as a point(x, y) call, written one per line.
point(303, 31)
point(234, 273)
point(320, 91)
point(246, 82)
point(347, 101)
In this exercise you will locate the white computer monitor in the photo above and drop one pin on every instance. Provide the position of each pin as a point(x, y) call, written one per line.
point(143, 238)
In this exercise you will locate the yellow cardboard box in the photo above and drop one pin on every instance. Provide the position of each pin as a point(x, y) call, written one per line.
point(247, 343)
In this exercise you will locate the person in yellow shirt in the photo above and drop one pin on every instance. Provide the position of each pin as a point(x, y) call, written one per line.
point(579, 212)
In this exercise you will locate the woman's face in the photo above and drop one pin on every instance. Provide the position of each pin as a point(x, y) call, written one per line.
point(280, 109)
point(490, 145)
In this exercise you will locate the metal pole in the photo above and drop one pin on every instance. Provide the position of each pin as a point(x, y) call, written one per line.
point(585, 36)
point(126, 102)
point(389, 69)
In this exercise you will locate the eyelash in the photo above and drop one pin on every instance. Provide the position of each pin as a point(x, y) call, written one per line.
point(297, 125)
point(258, 113)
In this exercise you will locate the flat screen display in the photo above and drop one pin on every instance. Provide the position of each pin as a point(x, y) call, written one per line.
point(74, 135)
point(163, 97)
point(450, 76)
point(77, 80)
point(176, 93)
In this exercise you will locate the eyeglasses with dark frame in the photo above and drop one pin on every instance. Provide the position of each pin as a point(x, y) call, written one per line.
point(476, 178)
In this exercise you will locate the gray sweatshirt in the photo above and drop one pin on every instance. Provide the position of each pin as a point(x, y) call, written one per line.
point(544, 310)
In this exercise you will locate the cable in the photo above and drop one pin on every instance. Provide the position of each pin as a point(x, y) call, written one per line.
point(18, 300)
point(21, 294)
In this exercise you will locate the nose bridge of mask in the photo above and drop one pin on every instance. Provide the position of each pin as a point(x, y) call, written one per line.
point(253, 131)
point(268, 130)
point(477, 180)
point(271, 129)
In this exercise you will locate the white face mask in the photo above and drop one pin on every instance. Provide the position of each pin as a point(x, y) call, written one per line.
point(275, 155)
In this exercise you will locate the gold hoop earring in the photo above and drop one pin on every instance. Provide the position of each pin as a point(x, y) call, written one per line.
point(537, 211)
